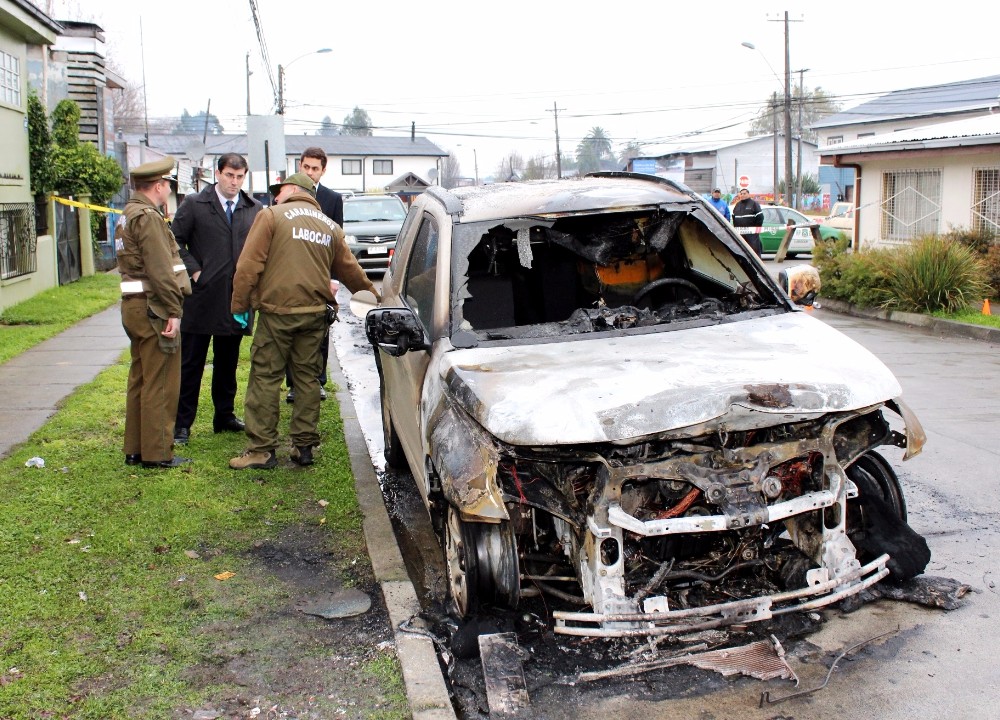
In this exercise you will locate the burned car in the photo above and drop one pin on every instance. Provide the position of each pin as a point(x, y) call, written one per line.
point(605, 399)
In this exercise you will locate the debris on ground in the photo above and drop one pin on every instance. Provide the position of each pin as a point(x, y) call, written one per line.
point(506, 690)
point(927, 590)
point(331, 605)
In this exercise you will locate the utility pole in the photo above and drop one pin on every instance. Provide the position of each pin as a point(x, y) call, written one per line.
point(281, 90)
point(788, 109)
point(555, 113)
point(798, 168)
point(774, 137)
point(248, 82)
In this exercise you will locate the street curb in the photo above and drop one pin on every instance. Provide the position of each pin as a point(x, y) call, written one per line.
point(939, 326)
point(426, 691)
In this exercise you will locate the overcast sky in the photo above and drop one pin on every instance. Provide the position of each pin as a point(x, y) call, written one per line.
point(485, 77)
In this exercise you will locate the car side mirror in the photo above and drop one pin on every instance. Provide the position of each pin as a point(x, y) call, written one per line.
point(362, 301)
point(395, 331)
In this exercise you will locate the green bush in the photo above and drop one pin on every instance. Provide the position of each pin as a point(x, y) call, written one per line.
point(991, 263)
point(860, 278)
point(935, 273)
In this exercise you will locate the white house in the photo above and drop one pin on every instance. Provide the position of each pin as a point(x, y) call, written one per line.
point(923, 180)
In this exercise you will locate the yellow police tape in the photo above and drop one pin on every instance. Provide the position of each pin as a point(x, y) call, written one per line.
point(74, 203)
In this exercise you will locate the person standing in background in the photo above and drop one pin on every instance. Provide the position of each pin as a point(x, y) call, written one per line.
point(313, 163)
point(748, 219)
point(719, 204)
point(211, 227)
point(154, 283)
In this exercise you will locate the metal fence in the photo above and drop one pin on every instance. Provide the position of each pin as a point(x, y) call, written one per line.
point(18, 242)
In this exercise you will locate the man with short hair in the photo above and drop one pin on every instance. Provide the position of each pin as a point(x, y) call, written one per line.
point(154, 282)
point(719, 204)
point(291, 253)
point(748, 219)
point(211, 228)
point(313, 163)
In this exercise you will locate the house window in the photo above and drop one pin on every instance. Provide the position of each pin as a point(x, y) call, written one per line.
point(10, 79)
point(986, 200)
point(17, 240)
point(835, 140)
point(382, 167)
point(350, 167)
point(911, 204)
point(862, 136)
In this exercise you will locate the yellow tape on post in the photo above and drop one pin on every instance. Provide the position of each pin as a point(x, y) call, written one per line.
point(74, 203)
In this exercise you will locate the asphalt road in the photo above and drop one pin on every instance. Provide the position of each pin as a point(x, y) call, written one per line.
point(937, 663)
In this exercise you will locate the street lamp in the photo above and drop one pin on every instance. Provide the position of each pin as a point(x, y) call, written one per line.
point(774, 115)
point(281, 76)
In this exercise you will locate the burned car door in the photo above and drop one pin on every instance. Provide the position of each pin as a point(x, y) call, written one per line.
point(403, 376)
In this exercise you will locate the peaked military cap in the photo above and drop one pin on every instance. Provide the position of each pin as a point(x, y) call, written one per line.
point(301, 179)
point(154, 170)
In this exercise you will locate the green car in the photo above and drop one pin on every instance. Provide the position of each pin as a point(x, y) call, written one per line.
point(777, 217)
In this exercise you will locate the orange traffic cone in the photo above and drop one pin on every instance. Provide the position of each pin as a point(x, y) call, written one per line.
point(986, 307)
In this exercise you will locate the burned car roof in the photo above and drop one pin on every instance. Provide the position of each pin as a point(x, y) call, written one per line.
point(546, 197)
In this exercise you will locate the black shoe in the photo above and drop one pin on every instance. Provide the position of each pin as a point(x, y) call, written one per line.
point(322, 394)
point(133, 459)
point(233, 424)
point(302, 455)
point(174, 462)
point(290, 397)
point(181, 435)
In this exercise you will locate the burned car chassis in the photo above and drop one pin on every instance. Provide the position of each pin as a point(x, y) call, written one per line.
point(604, 398)
point(676, 534)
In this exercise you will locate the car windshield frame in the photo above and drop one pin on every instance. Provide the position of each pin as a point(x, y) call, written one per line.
point(725, 263)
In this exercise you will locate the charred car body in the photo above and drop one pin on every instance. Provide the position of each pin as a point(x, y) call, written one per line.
point(603, 397)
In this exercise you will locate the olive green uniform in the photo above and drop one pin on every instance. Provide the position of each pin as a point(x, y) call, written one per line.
point(154, 283)
point(284, 273)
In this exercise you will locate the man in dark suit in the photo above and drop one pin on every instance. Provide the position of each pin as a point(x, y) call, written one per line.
point(211, 227)
point(313, 163)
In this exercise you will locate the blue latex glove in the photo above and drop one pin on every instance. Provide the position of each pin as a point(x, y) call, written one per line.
point(242, 318)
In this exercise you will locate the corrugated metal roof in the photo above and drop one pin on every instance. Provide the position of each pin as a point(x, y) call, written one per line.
point(970, 131)
point(964, 96)
point(658, 151)
point(335, 145)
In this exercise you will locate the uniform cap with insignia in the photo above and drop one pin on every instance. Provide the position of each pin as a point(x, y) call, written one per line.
point(154, 170)
point(301, 179)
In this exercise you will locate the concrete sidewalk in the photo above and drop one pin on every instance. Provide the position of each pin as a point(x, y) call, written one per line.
point(34, 383)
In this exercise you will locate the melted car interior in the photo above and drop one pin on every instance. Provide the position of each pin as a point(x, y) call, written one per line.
point(531, 277)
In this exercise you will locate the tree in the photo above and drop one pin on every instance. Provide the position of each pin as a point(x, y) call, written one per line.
point(595, 147)
point(127, 106)
point(817, 105)
point(538, 168)
point(328, 128)
point(39, 146)
point(631, 151)
point(511, 168)
point(451, 171)
point(357, 122)
point(78, 167)
point(195, 124)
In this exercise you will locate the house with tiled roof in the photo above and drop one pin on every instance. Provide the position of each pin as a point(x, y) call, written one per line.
point(902, 110)
point(922, 180)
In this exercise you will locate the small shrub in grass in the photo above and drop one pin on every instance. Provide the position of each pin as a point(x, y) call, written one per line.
point(934, 273)
point(859, 278)
point(991, 262)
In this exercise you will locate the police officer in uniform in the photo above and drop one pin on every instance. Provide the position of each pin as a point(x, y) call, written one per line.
point(284, 273)
point(154, 283)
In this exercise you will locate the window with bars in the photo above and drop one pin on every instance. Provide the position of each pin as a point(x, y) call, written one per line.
point(10, 79)
point(911, 204)
point(382, 167)
point(986, 200)
point(350, 167)
point(17, 240)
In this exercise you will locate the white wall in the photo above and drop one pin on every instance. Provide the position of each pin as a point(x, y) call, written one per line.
point(957, 177)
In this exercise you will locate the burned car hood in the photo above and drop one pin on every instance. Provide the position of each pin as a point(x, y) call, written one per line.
point(740, 375)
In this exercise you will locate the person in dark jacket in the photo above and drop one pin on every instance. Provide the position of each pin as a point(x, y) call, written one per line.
point(211, 227)
point(313, 163)
point(748, 219)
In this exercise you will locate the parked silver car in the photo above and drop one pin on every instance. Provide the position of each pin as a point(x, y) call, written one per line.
point(371, 224)
point(604, 398)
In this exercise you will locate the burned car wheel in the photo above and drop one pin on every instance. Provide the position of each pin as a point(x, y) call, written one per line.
point(875, 478)
point(481, 562)
point(656, 285)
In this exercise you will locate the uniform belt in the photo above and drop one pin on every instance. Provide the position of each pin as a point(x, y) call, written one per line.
point(134, 296)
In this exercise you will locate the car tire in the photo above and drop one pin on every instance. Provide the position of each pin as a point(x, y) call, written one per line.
point(461, 563)
point(874, 476)
point(395, 458)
